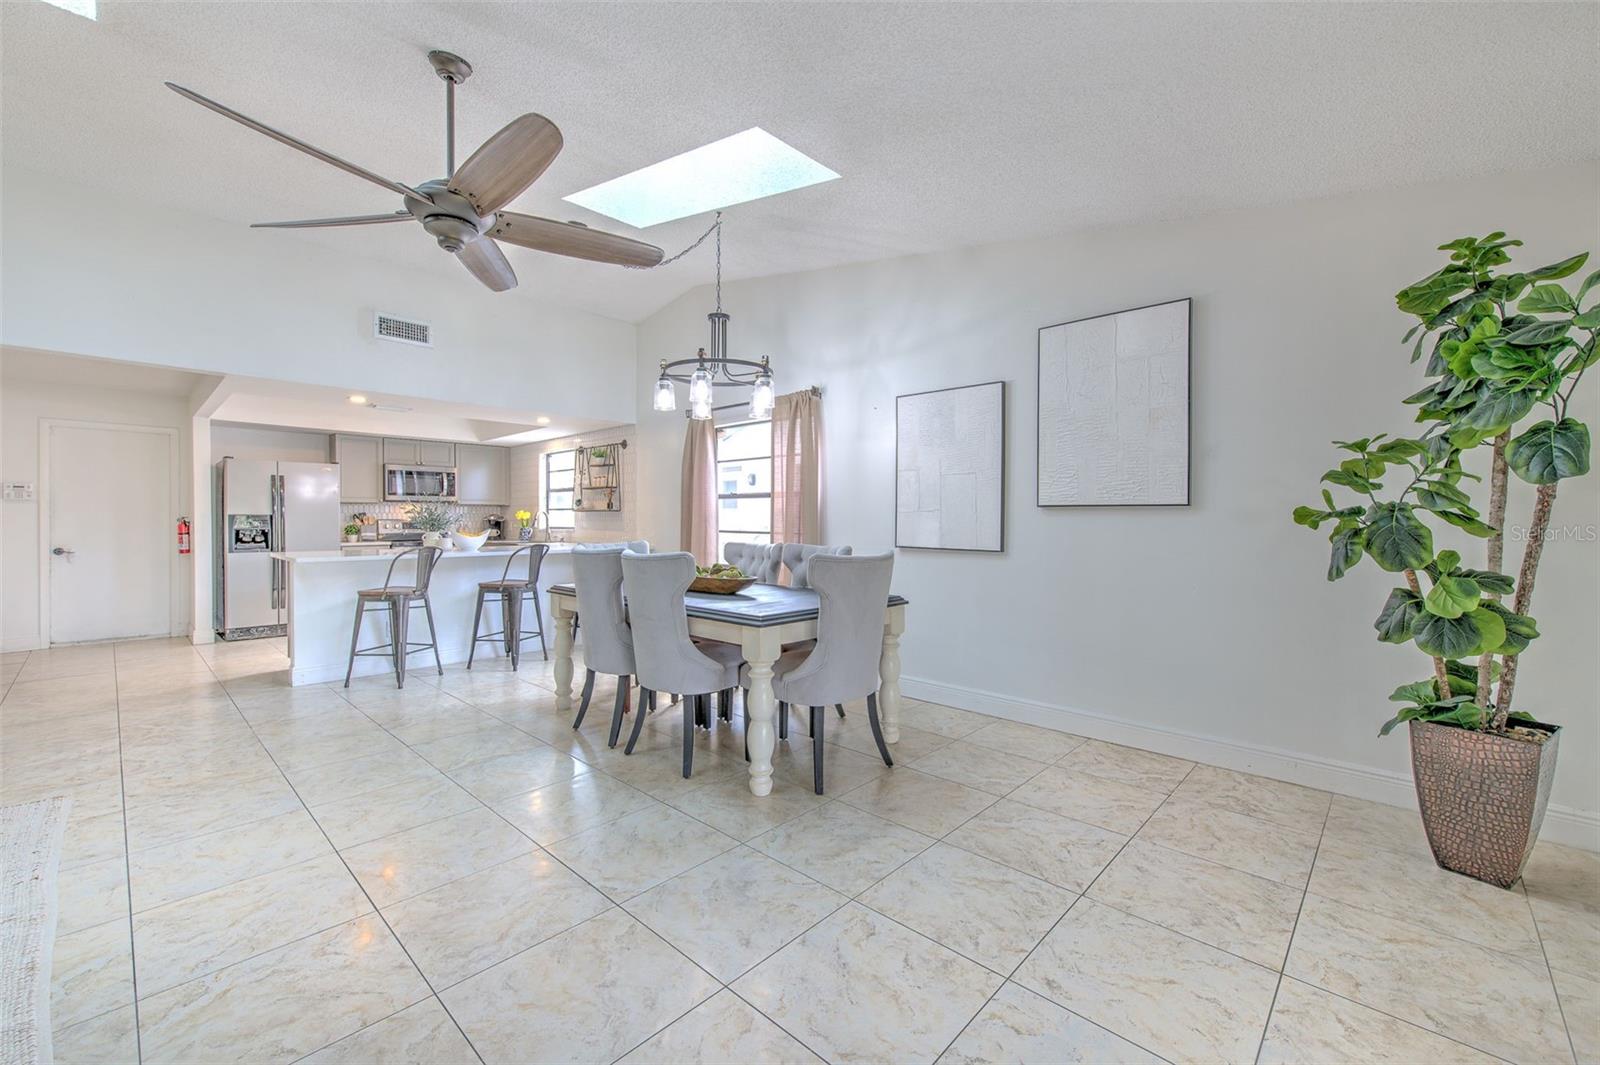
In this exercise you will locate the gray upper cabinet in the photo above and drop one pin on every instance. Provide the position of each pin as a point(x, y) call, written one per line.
point(483, 474)
point(360, 460)
point(399, 451)
point(403, 451)
point(436, 453)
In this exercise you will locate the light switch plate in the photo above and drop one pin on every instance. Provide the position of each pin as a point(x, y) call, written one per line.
point(18, 492)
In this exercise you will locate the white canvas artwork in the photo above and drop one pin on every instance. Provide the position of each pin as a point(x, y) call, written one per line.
point(950, 468)
point(1114, 409)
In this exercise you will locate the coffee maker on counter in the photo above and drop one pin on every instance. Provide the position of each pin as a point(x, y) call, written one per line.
point(496, 526)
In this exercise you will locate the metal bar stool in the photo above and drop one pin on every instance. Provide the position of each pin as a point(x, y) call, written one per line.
point(399, 600)
point(510, 592)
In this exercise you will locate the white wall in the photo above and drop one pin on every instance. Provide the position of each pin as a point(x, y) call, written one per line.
point(86, 273)
point(23, 405)
point(254, 442)
point(591, 526)
point(1209, 630)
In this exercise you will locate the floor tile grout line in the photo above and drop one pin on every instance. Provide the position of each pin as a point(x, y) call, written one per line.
point(1084, 894)
point(1561, 1009)
point(365, 893)
point(127, 864)
point(1283, 962)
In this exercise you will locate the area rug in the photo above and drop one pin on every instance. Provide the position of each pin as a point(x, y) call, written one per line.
point(30, 852)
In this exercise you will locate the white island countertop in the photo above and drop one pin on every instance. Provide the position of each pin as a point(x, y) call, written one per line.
point(323, 587)
point(368, 552)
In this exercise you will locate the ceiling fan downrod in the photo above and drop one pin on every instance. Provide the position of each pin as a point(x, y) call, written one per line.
point(453, 70)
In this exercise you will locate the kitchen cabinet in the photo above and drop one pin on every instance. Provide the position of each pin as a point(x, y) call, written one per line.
point(403, 451)
point(360, 460)
point(483, 474)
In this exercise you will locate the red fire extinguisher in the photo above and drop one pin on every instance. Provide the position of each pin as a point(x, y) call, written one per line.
point(183, 536)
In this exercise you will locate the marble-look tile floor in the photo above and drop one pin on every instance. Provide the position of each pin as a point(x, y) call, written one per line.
point(450, 873)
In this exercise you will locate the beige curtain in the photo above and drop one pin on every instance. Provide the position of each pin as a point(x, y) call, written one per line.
point(797, 468)
point(699, 520)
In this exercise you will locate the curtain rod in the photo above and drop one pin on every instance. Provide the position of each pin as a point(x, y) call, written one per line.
point(815, 390)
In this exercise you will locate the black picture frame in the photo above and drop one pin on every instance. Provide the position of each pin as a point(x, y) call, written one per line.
point(1004, 456)
point(1188, 414)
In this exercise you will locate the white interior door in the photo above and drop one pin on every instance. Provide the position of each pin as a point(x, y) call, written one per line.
point(109, 536)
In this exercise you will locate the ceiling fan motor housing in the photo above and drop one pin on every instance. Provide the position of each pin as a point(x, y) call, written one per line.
point(450, 218)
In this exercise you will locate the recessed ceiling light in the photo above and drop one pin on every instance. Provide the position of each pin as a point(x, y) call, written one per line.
point(746, 166)
point(358, 399)
point(86, 8)
point(542, 420)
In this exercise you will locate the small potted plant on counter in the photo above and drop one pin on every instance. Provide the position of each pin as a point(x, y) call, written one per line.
point(352, 533)
point(524, 525)
point(1506, 346)
point(435, 521)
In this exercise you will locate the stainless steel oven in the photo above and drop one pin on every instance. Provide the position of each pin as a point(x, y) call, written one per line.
point(404, 484)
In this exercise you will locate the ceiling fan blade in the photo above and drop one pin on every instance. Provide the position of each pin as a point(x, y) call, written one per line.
point(507, 163)
point(570, 238)
point(284, 138)
point(488, 264)
point(351, 220)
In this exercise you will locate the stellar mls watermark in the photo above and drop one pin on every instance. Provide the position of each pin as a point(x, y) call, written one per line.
point(1577, 533)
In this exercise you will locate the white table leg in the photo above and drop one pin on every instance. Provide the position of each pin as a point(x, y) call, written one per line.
point(761, 650)
point(889, 675)
point(562, 615)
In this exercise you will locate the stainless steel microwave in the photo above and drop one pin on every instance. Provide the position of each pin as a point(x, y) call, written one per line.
point(405, 484)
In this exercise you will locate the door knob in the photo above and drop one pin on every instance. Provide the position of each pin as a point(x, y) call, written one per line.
point(60, 551)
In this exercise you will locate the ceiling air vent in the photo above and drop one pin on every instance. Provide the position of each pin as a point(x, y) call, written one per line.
point(402, 330)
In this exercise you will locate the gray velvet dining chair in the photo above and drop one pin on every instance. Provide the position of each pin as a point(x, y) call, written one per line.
point(668, 659)
point(760, 561)
point(797, 560)
point(607, 638)
point(852, 591)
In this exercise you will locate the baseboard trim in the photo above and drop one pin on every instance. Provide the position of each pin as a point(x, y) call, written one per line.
point(1562, 824)
point(20, 643)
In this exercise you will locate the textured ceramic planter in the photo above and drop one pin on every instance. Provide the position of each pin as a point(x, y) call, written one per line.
point(1482, 797)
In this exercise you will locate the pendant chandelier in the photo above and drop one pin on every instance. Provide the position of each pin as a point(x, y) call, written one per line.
point(709, 368)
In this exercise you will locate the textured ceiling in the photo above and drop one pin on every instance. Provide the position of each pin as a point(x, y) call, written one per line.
point(951, 124)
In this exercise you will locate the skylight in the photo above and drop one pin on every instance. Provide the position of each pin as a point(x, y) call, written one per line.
point(86, 8)
point(746, 166)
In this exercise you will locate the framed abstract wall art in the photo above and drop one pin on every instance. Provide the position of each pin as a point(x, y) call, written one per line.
point(950, 459)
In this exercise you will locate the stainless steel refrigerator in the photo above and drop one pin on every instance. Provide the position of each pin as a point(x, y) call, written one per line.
point(264, 507)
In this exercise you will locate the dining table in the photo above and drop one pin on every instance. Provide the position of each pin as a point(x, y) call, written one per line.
point(761, 619)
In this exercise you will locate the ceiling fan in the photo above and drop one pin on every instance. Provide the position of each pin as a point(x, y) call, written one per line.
point(462, 212)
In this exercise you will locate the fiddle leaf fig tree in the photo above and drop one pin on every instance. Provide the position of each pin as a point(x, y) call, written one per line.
point(1505, 346)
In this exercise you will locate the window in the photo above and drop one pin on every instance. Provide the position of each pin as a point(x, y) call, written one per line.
point(560, 467)
point(744, 484)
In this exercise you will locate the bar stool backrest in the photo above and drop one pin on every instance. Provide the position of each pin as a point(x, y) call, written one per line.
point(427, 558)
point(536, 553)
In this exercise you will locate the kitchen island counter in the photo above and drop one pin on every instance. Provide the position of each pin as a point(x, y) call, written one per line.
point(322, 603)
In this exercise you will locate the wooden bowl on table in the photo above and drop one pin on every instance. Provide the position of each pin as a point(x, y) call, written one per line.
point(721, 585)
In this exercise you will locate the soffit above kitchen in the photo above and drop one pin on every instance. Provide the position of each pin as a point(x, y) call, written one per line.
point(952, 125)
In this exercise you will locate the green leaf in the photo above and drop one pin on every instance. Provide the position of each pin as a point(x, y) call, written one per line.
point(1399, 616)
point(1549, 451)
point(1589, 282)
point(1433, 292)
point(1492, 583)
point(1490, 626)
point(1450, 597)
point(1445, 563)
point(1422, 693)
point(1499, 409)
point(1521, 630)
point(1465, 521)
point(1540, 333)
point(1456, 637)
point(1346, 552)
point(1547, 299)
point(1563, 268)
point(1589, 319)
point(1351, 480)
point(1447, 492)
point(1310, 517)
point(1396, 540)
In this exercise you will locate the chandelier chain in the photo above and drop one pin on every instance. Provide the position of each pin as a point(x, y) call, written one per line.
point(715, 227)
